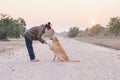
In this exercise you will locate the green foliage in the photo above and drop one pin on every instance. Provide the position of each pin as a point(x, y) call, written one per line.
point(10, 27)
point(73, 32)
point(81, 33)
point(114, 26)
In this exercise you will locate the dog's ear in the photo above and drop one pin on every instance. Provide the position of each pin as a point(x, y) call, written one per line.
point(56, 39)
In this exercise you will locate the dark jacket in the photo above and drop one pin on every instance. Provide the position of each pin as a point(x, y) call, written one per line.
point(35, 33)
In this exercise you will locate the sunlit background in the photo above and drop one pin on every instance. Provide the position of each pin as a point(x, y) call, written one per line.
point(63, 14)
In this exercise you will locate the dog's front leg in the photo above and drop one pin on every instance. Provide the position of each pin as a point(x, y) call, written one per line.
point(54, 58)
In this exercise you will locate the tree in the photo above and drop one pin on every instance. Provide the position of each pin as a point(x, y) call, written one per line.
point(87, 32)
point(96, 30)
point(10, 27)
point(81, 33)
point(114, 26)
point(73, 32)
point(4, 25)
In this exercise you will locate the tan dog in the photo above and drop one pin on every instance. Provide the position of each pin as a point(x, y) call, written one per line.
point(59, 52)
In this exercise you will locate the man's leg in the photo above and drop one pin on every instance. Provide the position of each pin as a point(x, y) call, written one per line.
point(30, 48)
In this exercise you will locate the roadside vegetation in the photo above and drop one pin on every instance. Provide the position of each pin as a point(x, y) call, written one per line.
point(10, 27)
point(112, 30)
point(108, 36)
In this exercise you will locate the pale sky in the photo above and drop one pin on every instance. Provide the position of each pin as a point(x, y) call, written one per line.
point(63, 14)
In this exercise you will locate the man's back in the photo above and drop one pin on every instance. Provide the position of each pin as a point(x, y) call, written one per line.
point(35, 33)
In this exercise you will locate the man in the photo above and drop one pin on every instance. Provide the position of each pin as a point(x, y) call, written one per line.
point(35, 33)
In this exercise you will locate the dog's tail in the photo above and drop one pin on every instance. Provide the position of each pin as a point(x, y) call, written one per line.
point(74, 60)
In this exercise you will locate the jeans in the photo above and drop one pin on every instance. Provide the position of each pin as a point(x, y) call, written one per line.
point(29, 48)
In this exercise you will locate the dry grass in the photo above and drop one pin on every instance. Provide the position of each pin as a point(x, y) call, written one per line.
point(111, 43)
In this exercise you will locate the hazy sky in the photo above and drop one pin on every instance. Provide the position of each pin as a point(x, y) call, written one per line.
point(63, 14)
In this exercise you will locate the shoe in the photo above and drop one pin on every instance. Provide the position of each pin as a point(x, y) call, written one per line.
point(35, 60)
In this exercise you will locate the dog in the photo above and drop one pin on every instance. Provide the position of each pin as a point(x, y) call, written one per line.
point(58, 51)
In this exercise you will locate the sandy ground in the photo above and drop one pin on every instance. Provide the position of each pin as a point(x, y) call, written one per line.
point(97, 63)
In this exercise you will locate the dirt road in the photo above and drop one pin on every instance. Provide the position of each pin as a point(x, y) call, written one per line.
point(97, 63)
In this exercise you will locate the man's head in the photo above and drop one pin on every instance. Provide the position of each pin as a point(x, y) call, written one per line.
point(49, 32)
point(47, 27)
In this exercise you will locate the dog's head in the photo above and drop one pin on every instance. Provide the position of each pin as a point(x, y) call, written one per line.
point(55, 39)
